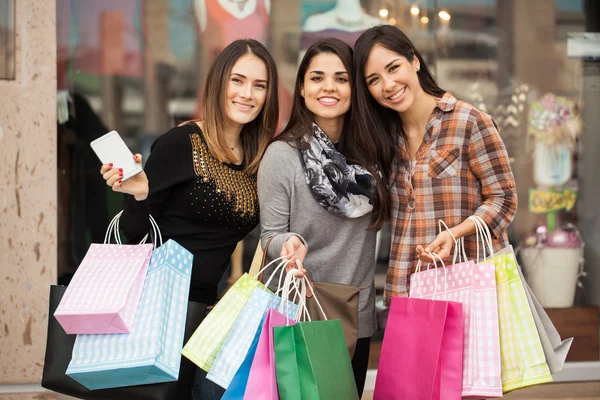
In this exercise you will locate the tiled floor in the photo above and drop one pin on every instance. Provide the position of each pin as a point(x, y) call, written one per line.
point(554, 391)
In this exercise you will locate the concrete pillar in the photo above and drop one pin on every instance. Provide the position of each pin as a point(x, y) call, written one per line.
point(28, 242)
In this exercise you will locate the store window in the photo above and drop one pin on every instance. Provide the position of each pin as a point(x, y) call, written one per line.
point(7, 39)
point(137, 66)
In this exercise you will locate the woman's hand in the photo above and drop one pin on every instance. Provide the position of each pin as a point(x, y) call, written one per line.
point(442, 246)
point(294, 250)
point(136, 185)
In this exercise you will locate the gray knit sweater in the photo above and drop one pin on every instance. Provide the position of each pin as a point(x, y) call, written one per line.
point(340, 249)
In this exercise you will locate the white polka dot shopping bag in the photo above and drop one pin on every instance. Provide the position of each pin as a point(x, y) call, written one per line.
point(522, 356)
point(104, 293)
point(151, 352)
point(473, 285)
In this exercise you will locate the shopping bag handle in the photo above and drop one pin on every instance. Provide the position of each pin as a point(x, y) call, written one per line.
point(418, 269)
point(458, 249)
point(300, 285)
point(259, 274)
point(482, 229)
point(113, 228)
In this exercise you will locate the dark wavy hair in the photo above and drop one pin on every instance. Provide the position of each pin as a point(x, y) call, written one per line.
point(373, 139)
point(301, 119)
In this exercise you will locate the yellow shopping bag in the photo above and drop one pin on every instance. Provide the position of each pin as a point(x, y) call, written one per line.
point(207, 340)
point(522, 357)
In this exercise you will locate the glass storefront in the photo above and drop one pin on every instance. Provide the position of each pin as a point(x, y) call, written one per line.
point(138, 67)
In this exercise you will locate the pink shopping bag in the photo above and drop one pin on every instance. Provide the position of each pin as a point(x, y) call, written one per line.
point(473, 285)
point(422, 355)
point(105, 291)
point(262, 381)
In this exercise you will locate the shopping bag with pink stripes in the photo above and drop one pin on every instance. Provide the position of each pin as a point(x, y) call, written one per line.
point(473, 285)
point(206, 342)
point(105, 291)
point(522, 354)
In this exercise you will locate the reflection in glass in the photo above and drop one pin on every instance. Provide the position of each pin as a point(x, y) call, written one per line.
point(7, 39)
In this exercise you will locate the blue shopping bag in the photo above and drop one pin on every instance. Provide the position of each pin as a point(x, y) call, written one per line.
point(244, 330)
point(151, 353)
point(237, 386)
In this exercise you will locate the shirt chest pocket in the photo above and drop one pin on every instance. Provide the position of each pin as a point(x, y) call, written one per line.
point(444, 163)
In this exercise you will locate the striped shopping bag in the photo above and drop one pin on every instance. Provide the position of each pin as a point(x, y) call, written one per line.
point(104, 293)
point(522, 355)
point(151, 353)
point(206, 342)
point(238, 342)
point(523, 360)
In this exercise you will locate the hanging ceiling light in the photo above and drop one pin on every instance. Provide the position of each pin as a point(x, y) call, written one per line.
point(444, 15)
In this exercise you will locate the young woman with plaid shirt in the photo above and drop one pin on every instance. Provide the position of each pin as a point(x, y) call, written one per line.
point(443, 158)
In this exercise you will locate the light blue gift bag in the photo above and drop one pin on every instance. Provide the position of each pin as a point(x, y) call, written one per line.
point(239, 341)
point(151, 353)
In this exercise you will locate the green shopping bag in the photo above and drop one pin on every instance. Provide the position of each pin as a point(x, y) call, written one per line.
point(312, 362)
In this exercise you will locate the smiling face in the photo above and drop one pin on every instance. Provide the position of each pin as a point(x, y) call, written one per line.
point(392, 79)
point(326, 88)
point(246, 90)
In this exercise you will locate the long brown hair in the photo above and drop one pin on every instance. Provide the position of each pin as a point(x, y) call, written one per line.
point(301, 118)
point(373, 139)
point(255, 135)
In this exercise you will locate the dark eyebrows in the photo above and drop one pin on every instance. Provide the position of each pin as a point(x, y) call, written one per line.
point(323, 73)
point(386, 67)
point(244, 77)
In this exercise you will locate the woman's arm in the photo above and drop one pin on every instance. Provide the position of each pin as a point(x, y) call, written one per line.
point(490, 164)
point(168, 165)
point(275, 188)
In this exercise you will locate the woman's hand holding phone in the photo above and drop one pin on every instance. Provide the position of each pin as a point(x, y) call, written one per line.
point(136, 186)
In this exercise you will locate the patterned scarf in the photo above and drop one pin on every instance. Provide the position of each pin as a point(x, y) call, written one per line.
point(343, 189)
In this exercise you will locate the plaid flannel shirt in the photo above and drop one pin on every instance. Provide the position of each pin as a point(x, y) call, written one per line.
point(461, 169)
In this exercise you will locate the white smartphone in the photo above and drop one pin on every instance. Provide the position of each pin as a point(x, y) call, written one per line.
point(111, 148)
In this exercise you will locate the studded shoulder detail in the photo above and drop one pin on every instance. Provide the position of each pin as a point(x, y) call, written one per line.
point(238, 186)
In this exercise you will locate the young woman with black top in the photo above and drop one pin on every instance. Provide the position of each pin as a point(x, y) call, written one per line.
point(199, 182)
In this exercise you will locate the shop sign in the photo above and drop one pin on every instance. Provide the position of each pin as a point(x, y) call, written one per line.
point(541, 202)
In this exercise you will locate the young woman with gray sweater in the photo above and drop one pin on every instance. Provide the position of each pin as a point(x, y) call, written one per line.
point(314, 205)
